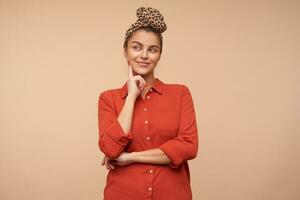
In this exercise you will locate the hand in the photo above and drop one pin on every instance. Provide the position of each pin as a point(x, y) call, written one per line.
point(107, 162)
point(124, 158)
point(135, 84)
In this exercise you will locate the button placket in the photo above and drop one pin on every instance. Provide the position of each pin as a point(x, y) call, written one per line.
point(147, 136)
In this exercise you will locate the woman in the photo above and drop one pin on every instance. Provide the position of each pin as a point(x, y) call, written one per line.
point(147, 128)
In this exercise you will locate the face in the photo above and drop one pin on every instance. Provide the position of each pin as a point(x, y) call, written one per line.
point(143, 52)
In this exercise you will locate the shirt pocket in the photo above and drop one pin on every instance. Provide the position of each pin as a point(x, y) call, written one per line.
point(166, 121)
point(165, 134)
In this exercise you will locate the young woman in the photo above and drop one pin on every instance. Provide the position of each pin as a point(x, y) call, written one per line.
point(147, 128)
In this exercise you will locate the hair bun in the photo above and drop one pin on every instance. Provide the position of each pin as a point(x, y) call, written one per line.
point(153, 17)
point(147, 17)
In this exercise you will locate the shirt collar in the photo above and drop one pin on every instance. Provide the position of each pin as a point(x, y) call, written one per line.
point(157, 86)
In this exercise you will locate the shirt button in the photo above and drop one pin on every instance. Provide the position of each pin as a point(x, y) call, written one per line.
point(148, 138)
point(149, 188)
point(150, 171)
point(145, 109)
point(148, 97)
point(150, 89)
point(146, 122)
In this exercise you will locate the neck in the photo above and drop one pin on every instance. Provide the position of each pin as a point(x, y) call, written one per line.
point(149, 80)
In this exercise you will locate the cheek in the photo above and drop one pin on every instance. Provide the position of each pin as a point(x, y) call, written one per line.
point(132, 55)
point(155, 58)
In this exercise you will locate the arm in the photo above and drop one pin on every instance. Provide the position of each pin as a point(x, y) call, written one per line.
point(125, 116)
point(175, 151)
point(151, 156)
point(114, 131)
point(185, 146)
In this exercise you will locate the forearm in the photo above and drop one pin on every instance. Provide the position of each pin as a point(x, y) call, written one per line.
point(125, 116)
point(151, 156)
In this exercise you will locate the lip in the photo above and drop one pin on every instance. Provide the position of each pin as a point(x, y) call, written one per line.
point(143, 63)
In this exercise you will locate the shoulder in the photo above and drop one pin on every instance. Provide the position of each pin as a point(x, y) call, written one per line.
point(177, 87)
point(108, 94)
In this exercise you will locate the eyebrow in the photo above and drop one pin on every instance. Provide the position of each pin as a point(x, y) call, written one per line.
point(142, 44)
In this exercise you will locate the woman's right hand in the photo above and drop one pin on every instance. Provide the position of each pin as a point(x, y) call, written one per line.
point(135, 84)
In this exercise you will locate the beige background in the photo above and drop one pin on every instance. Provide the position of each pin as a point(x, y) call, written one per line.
point(240, 60)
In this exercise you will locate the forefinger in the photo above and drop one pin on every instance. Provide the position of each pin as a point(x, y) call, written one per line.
point(130, 73)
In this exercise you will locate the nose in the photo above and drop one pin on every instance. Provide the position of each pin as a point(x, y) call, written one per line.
point(144, 54)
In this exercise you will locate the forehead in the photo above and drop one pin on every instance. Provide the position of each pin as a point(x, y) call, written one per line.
point(145, 38)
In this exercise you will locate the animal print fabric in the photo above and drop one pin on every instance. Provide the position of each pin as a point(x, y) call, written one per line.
point(148, 16)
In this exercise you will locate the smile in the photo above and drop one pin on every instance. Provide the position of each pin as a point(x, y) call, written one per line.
point(143, 63)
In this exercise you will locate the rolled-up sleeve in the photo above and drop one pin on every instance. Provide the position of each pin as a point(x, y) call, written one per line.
point(185, 146)
point(112, 138)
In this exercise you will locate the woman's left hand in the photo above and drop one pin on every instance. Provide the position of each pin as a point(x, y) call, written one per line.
point(108, 163)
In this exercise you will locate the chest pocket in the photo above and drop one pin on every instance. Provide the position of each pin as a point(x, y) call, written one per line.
point(166, 121)
point(163, 135)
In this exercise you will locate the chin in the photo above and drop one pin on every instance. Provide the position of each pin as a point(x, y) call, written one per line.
point(140, 71)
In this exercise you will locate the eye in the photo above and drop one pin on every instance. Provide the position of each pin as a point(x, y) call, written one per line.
point(153, 50)
point(135, 47)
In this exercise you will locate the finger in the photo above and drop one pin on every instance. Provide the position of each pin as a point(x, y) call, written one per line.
point(144, 83)
point(111, 165)
point(137, 81)
point(103, 161)
point(143, 80)
point(107, 165)
point(130, 72)
point(140, 81)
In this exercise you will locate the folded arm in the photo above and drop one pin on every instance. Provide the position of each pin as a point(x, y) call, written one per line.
point(175, 151)
point(185, 146)
point(114, 130)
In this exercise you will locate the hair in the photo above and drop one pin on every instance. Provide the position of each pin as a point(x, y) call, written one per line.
point(147, 29)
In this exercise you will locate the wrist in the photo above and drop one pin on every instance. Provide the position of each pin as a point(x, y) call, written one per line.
point(131, 97)
point(133, 157)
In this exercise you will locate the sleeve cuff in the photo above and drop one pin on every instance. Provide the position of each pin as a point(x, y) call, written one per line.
point(174, 161)
point(117, 134)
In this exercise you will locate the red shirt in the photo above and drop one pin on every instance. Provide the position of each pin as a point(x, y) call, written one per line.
point(165, 119)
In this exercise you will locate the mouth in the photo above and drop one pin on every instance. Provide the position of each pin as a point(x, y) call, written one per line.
point(144, 64)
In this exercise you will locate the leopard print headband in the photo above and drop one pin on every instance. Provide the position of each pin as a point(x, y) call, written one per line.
point(148, 16)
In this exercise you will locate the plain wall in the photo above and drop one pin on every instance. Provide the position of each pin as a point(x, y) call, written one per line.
point(240, 60)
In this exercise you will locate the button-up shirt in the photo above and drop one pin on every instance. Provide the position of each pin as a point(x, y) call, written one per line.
point(165, 119)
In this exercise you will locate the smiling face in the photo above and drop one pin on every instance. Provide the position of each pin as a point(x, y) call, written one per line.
point(143, 52)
